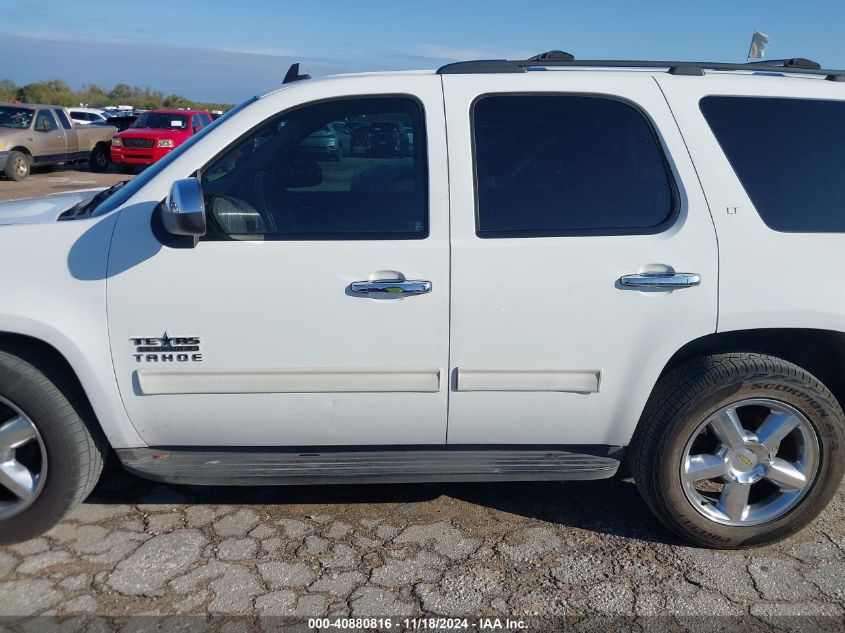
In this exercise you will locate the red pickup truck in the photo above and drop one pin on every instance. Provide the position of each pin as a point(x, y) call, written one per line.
point(154, 134)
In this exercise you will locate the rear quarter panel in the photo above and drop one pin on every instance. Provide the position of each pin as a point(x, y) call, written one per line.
point(767, 279)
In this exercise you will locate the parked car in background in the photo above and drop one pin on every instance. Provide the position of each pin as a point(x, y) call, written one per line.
point(323, 143)
point(87, 116)
point(154, 134)
point(120, 120)
point(387, 138)
point(42, 135)
point(358, 133)
point(344, 136)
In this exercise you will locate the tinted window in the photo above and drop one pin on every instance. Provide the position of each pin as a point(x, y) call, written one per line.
point(44, 121)
point(66, 124)
point(162, 121)
point(789, 155)
point(567, 165)
point(292, 178)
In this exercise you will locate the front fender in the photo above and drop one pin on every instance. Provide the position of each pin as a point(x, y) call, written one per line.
point(53, 278)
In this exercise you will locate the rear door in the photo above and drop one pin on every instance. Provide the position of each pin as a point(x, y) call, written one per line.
point(565, 188)
point(71, 137)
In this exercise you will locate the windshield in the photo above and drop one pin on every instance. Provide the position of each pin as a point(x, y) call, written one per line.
point(19, 118)
point(125, 192)
point(162, 121)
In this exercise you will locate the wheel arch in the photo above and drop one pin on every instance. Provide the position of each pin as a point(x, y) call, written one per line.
point(48, 357)
point(22, 149)
point(818, 351)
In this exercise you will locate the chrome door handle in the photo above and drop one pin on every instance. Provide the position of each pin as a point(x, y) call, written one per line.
point(395, 287)
point(667, 281)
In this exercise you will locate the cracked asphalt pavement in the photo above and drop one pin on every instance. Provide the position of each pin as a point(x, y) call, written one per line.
point(578, 550)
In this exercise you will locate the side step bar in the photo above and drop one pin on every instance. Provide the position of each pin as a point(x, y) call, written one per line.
point(240, 466)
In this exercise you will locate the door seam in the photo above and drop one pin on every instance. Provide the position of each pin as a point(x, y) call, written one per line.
point(449, 372)
point(706, 201)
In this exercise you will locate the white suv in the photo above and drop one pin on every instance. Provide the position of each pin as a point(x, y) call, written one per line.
point(574, 262)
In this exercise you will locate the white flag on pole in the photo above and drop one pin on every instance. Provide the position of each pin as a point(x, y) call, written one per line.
point(758, 45)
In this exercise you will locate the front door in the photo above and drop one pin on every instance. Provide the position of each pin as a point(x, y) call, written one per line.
point(570, 203)
point(51, 140)
point(315, 310)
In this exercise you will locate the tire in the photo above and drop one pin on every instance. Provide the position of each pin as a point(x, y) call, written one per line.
point(36, 391)
point(683, 428)
point(98, 161)
point(18, 166)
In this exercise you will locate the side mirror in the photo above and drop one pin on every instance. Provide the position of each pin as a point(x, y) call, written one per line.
point(183, 213)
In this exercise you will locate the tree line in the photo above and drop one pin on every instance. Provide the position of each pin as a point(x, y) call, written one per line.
point(57, 92)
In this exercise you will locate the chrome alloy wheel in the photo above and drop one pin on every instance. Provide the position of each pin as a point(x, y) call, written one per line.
point(20, 167)
point(23, 460)
point(750, 462)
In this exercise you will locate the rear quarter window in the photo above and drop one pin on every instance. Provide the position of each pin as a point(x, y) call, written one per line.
point(789, 155)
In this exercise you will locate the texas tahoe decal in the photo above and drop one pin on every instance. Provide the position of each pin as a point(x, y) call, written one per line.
point(167, 349)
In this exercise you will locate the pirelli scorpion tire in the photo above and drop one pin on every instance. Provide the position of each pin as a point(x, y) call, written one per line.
point(51, 450)
point(737, 450)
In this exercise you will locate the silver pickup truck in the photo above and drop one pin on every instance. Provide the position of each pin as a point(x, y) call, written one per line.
point(36, 135)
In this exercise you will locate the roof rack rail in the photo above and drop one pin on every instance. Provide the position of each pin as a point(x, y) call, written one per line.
point(293, 74)
point(559, 59)
point(794, 62)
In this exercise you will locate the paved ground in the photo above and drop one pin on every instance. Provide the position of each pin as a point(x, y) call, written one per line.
point(578, 550)
point(62, 178)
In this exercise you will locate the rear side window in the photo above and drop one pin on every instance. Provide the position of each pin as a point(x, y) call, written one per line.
point(66, 124)
point(554, 165)
point(789, 154)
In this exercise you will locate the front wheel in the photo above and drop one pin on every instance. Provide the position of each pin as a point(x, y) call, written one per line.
point(736, 450)
point(18, 166)
point(51, 451)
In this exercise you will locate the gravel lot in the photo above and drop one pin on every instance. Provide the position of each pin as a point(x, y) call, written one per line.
point(577, 552)
point(62, 178)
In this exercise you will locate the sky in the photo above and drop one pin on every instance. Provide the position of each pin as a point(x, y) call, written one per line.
point(228, 50)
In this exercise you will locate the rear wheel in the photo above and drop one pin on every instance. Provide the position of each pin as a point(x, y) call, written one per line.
point(18, 166)
point(736, 450)
point(51, 451)
point(99, 160)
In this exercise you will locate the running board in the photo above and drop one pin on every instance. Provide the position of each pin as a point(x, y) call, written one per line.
point(238, 466)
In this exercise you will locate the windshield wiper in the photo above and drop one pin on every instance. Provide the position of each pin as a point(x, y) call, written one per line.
point(85, 207)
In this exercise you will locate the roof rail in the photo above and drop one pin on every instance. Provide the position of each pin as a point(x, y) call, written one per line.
point(293, 74)
point(559, 59)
